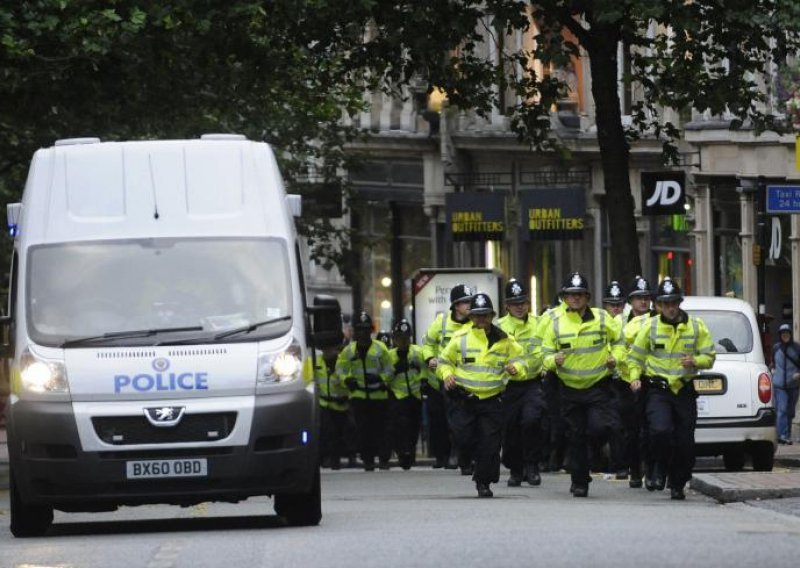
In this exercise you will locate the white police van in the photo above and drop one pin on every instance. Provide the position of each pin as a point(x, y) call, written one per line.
point(735, 413)
point(158, 332)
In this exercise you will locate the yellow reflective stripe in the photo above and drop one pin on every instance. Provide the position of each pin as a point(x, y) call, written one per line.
point(479, 384)
point(661, 354)
point(591, 349)
point(638, 350)
point(706, 350)
point(674, 372)
point(582, 372)
point(482, 369)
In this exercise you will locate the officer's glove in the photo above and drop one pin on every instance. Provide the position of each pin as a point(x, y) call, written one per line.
point(351, 383)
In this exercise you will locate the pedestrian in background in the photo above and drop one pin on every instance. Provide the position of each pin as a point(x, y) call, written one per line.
point(785, 381)
point(475, 367)
point(406, 398)
point(665, 356)
point(439, 334)
point(523, 400)
point(366, 371)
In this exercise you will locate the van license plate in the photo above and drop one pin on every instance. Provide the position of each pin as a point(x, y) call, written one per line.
point(149, 469)
point(708, 386)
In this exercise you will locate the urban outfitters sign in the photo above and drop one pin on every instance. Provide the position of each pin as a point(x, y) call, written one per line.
point(553, 214)
point(476, 216)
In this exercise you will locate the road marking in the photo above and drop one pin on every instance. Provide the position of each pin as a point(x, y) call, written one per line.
point(166, 555)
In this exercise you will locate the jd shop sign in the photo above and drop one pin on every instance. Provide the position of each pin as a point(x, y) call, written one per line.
point(475, 216)
point(663, 193)
point(553, 214)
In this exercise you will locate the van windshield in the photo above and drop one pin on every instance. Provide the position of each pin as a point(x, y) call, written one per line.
point(731, 331)
point(176, 287)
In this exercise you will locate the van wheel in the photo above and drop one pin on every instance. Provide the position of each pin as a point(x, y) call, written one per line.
point(763, 454)
point(27, 520)
point(733, 460)
point(301, 509)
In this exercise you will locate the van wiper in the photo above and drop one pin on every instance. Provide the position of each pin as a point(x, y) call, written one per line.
point(129, 334)
point(250, 327)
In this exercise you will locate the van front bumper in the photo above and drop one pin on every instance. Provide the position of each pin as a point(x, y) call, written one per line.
point(50, 466)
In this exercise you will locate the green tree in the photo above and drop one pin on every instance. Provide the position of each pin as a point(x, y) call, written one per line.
point(706, 54)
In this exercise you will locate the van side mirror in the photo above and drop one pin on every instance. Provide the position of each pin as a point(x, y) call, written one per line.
point(326, 318)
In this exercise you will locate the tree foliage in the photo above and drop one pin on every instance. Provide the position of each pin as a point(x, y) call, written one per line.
point(285, 71)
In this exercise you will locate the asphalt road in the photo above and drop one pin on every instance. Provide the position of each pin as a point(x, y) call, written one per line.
point(424, 517)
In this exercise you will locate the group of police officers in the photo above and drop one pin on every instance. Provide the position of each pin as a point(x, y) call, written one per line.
point(529, 391)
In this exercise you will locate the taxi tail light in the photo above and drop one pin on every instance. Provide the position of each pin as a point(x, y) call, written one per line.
point(764, 388)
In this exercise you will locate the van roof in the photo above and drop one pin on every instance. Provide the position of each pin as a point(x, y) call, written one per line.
point(104, 190)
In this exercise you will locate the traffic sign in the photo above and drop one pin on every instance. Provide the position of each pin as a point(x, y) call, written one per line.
point(783, 199)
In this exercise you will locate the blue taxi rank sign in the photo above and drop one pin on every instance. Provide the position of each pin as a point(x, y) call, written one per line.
point(783, 199)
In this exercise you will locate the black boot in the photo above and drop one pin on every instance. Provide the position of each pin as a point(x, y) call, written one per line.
point(677, 494)
point(532, 475)
point(514, 479)
point(655, 478)
point(483, 490)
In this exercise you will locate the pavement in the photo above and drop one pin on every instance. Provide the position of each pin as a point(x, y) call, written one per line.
point(724, 486)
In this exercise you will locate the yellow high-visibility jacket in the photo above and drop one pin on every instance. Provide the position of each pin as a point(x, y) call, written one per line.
point(659, 347)
point(372, 374)
point(479, 368)
point(524, 331)
point(439, 334)
point(407, 382)
point(332, 392)
point(586, 342)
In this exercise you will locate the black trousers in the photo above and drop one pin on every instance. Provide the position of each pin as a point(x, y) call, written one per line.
point(332, 426)
point(625, 441)
point(671, 420)
point(553, 426)
point(406, 414)
point(438, 428)
point(478, 429)
point(523, 406)
point(372, 425)
point(590, 419)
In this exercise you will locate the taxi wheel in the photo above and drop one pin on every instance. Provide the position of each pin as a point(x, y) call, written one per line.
point(27, 520)
point(301, 509)
point(734, 460)
point(763, 454)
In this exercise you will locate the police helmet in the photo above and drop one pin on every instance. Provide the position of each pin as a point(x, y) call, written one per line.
point(384, 337)
point(460, 293)
point(481, 304)
point(403, 327)
point(576, 284)
point(516, 292)
point(614, 294)
point(640, 287)
point(785, 328)
point(363, 321)
point(668, 291)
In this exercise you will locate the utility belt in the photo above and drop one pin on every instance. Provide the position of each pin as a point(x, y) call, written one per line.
point(337, 399)
point(662, 383)
point(526, 383)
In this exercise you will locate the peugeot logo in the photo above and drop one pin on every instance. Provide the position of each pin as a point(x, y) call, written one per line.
point(160, 364)
point(164, 416)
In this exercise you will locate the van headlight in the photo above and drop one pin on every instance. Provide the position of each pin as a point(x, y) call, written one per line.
point(41, 376)
point(281, 367)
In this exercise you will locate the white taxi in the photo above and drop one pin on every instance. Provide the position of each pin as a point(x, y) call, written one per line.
point(735, 414)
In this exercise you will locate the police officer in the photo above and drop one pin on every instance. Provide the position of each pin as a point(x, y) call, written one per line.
point(523, 400)
point(334, 406)
point(665, 356)
point(366, 370)
point(439, 333)
point(406, 397)
point(614, 303)
point(384, 337)
point(553, 425)
point(583, 346)
point(632, 410)
point(475, 367)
